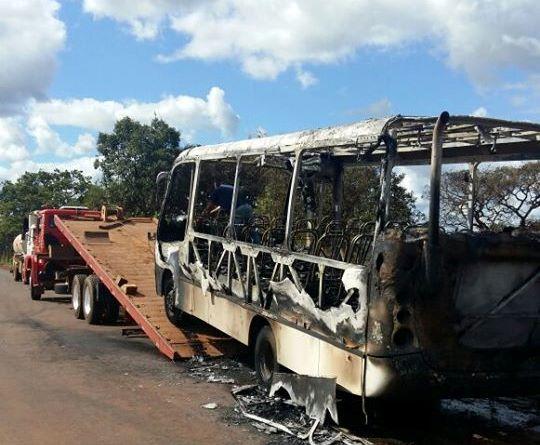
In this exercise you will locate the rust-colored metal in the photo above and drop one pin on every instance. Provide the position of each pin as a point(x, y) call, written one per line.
point(130, 255)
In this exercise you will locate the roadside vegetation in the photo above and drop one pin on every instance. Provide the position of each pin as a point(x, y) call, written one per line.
point(129, 157)
point(506, 196)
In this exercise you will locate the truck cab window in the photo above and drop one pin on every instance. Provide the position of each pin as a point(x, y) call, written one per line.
point(174, 215)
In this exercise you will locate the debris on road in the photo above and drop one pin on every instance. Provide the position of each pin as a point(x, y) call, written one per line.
point(278, 415)
point(212, 405)
point(225, 371)
point(317, 394)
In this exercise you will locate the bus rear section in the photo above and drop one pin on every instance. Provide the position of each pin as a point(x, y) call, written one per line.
point(474, 333)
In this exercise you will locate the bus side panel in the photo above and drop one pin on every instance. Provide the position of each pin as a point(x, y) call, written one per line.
point(308, 355)
point(346, 366)
point(201, 304)
point(229, 317)
point(225, 315)
point(296, 350)
point(186, 297)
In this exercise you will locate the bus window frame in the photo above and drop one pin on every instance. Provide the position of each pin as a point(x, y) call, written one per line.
point(166, 197)
point(195, 190)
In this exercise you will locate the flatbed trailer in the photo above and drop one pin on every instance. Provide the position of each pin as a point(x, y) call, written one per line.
point(121, 253)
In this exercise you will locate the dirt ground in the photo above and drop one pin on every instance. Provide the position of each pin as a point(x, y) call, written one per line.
point(63, 381)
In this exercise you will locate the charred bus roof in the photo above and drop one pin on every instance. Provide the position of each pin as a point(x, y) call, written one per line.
point(467, 139)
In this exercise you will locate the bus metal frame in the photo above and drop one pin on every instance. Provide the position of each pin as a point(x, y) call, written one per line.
point(235, 306)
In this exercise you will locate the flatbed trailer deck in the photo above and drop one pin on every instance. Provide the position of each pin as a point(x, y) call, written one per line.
point(122, 252)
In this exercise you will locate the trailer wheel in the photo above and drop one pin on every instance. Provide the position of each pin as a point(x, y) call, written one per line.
point(92, 307)
point(266, 364)
point(173, 313)
point(111, 305)
point(77, 295)
point(35, 292)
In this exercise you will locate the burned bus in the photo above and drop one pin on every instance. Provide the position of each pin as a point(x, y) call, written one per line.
point(282, 243)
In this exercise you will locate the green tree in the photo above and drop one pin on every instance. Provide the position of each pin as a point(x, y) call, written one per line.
point(506, 196)
point(131, 157)
point(31, 191)
point(361, 192)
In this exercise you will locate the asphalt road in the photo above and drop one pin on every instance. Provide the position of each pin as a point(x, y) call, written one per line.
point(63, 381)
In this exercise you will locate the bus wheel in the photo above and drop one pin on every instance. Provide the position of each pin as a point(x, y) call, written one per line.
point(265, 357)
point(35, 292)
point(91, 305)
point(173, 313)
point(77, 295)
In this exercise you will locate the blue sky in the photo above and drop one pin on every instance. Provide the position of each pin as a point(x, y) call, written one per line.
point(220, 69)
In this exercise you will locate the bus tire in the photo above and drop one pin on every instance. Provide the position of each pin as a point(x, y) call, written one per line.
point(265, 357)
point(92, 307)
point(35, 291)
point(77, 295)
point(173, 313)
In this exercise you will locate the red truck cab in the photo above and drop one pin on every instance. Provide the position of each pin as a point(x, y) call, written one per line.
point(53, 260)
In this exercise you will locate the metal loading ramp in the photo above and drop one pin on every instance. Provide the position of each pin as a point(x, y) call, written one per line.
point(121, 254)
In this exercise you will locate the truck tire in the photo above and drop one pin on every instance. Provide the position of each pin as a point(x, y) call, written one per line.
point(173, 313)
point(112, 307)
point(35, 292)
point(92, 306)
point(77, 295)
point(265, 356)
point(16, 273)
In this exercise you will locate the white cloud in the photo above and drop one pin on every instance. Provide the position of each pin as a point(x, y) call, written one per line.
point(379, 108)
point(415, 180)
point(30, 37)
point(144, 17)
point(480, 112)
point(17, 168)
point(187, 113)
point(12, 141)
point(480, 37)
point(306, 78)
point(49, 141)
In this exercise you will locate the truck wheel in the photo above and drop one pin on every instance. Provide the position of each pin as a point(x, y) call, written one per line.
point(112, 307)
point(173, 313)
point(266, 364)
point(16, 273)
point(35, 292)
point(92, 307)
point(77, 295)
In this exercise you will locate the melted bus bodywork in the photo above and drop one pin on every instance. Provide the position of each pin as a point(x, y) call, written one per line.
point(385, 310)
